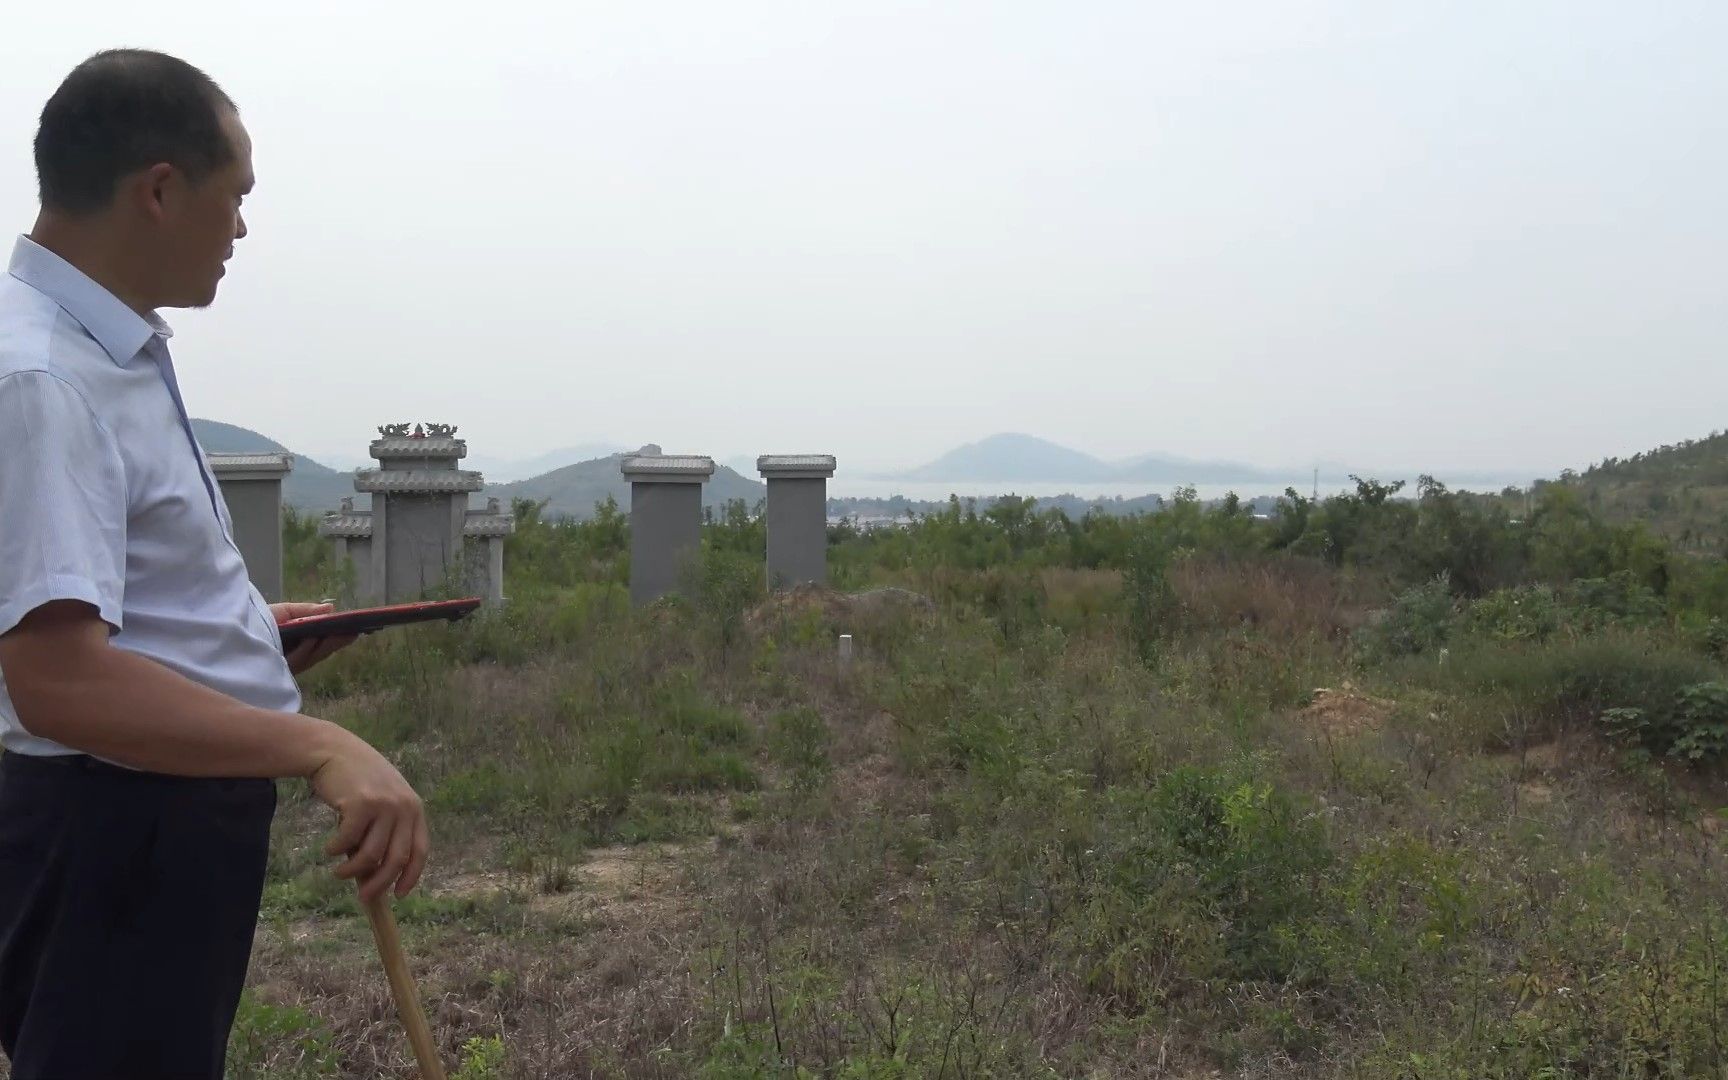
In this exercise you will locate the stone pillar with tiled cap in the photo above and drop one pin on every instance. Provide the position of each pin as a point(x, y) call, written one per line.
point(420, 535)
point(252, 491)
point(797, 517)
point(665, 520)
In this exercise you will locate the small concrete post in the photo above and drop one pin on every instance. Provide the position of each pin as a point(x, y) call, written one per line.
point(845, 651)
point(797, 517)
point(665, 520)
point(252, 490)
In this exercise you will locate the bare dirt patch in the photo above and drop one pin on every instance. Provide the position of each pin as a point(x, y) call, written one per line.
point(1535, 792)
point(640, 885)
point(1538, 760)
point(1345, 711)
point(627, 885)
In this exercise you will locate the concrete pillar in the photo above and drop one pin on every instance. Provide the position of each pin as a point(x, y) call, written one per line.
point(252, 489)
point(797, 517)
point(494, 569)
point(665, 520)
point(483, 532)
point(378, 546)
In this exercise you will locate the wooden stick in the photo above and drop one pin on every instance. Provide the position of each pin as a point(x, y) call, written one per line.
point(402, 987)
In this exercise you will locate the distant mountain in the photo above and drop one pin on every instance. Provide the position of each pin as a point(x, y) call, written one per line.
point(742, 464)
point(509, 470)
point(219, 438)
point(574, 490)
point(899, 507)
point(1013, 458)
point(309, 487)
point(1162, 468)
point(1016, 458)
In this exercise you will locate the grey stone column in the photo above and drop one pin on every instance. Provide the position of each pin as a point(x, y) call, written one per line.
point(487, 527)
point(350, 534)
point(797, 517)
point(377, 573)
point(252, 489)
point(495, 569)
point(665, 520)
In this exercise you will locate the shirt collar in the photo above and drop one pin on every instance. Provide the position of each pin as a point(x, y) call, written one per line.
point(120, 331)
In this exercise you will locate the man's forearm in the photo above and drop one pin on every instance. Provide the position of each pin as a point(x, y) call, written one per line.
point(129, 709)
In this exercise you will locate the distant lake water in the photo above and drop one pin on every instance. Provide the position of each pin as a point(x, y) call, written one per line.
point(844, 487)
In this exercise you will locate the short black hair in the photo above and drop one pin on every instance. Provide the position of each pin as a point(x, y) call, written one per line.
point(123, 110)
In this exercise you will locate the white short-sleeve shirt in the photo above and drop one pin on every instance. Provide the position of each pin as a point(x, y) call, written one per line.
point(105, 495)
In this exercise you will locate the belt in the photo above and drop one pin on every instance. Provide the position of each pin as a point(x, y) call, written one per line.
point(65, 762)
point(68, 765)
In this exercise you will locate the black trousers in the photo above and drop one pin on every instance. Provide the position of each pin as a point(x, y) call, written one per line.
point(128, 903)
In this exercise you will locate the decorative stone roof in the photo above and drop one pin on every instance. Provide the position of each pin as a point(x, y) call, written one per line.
point(270, 466)
point(667, 468)
point(478, 524)
point(417, 481)
point(796, 466)
point(410, 447)
point(346, 526)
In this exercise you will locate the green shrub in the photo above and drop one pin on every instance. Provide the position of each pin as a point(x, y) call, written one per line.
point(1525, 613)
point(1257, 857)
point(1208, 876)
point(1151, 599)
point(278, 1042)
point(1420, 620)
point(798, 741)
point(724, 587)
point(1693, 726)
point(1523, 690)
point(482, 1059)
point(1618, 600)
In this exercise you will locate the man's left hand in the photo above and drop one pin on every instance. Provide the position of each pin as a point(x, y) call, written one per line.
point(312, 651)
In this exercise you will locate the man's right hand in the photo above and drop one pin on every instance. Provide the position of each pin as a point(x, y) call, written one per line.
point(69, 684)
point(383, 824)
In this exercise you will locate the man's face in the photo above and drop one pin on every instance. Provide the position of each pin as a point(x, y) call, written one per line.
point(200, 223)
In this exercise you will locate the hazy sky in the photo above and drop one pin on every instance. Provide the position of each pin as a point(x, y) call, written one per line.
point(1430, 235)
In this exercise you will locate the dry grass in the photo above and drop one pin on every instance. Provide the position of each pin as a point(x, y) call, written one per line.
point(993, 849)
point(1279, 598)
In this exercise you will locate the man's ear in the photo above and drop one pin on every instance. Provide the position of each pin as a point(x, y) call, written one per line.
point(148, 190)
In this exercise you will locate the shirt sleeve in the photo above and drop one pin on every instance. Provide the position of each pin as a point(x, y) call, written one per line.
point(63, 490)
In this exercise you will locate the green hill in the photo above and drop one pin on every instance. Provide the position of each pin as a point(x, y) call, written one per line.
point(1680, 491)
point(311, 487)
point(574, 490)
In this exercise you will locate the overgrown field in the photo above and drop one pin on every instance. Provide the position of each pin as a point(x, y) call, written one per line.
point(1385, 788)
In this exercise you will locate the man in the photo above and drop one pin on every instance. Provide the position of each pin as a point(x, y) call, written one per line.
point(145, 702)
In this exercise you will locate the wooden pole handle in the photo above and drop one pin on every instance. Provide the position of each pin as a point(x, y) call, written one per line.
point(402, 987)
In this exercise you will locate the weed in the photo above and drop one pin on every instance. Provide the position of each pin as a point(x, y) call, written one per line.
point(278, 1042)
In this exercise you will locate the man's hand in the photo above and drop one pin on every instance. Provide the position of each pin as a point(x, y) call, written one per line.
point(312, 651)
point(383, 825)
point(70, 684)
